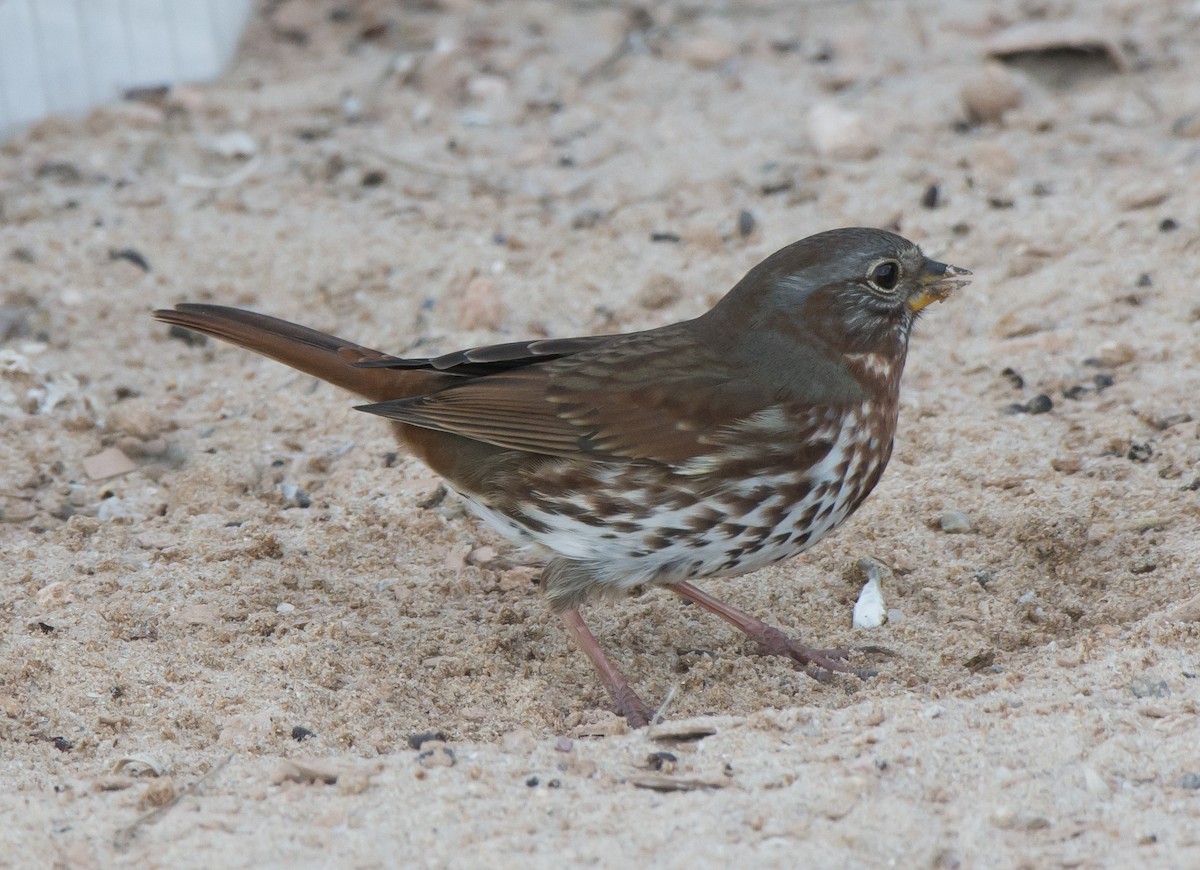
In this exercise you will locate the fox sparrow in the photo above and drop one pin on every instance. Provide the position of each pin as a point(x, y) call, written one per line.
point(706, 448)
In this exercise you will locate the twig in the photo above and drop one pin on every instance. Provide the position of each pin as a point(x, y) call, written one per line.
point(124, 836)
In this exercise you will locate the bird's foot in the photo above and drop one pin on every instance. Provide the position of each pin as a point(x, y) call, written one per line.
point(626, 700)
point(820, 664)
point(635, 711)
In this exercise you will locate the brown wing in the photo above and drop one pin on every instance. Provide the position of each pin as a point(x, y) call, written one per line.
point(658, 395)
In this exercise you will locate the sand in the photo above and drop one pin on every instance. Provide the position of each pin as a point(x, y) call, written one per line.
point(231, 602)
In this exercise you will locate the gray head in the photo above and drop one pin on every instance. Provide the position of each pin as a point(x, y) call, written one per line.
point(855, 289)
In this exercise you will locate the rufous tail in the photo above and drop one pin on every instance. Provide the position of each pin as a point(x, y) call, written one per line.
point(316, 353)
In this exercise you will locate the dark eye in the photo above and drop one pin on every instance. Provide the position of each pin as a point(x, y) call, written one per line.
point(885, 275)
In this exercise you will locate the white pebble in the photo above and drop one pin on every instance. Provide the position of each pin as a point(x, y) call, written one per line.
point(840, 133)
point(869, 610)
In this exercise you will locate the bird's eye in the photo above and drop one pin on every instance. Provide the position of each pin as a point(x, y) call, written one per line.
point(885, 276)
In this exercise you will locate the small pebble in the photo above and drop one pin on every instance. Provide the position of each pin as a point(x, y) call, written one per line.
point(659, 291)
point(869, 609)
point(300, 734)
point(1190, 780)
point(1139, 452)
point(1143, 195)
point(990, 94)
point(708, 52)
point(1013, 377)
point(665, 762)
point(1040, 404)
point(416, 741)
point(955, 522)
point(840, 133)
point(108, 463)
point(158, 793)
point(746, 223)
point(482, 306)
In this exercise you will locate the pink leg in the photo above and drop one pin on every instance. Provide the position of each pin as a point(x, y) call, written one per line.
point(629, 705)
point(817, 663)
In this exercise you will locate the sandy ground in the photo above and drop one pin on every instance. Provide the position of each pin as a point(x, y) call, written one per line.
point(270, 598)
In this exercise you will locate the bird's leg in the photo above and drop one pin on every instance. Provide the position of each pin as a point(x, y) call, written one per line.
point(817, 663)
point(629, 705)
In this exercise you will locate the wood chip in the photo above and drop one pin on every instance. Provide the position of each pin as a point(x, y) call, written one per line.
point(108, 463)
point(307, 770)
point(661, 782)
point(683, 730)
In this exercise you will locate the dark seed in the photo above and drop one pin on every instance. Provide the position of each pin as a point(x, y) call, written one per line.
point(435, 498)
point(532, 782)
point(1040, 404)
point(131, 256)
point(998, 202)
point(300, 734)
point(1168, 225)
point(657, 760)
point(389, 459)
point(1144, 280)
point(673, 238)
point(416, 741)
point(374, 178)
point(60, 171)
point(746, 223)
point(1103, 382)
point(980, 661)
point(1013, 378)
point(1189, 781)
point(1139, 452)
point(1074, 392)
point(62, 744)
point(929, 199)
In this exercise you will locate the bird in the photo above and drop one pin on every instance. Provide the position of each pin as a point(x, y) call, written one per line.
point(702, 449)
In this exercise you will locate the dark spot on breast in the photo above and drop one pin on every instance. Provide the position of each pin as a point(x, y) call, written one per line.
point(705, 519)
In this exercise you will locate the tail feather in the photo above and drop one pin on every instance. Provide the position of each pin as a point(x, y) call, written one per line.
point(316, 353)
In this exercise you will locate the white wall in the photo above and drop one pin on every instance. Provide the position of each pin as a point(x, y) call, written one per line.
point(65, 56)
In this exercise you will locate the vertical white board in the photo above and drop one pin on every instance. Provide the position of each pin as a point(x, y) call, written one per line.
point(66, 56)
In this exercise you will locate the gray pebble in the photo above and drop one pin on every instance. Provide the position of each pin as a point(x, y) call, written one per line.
point(955, 522)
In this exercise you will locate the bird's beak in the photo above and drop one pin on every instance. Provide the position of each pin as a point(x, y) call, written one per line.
point(937, 281)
